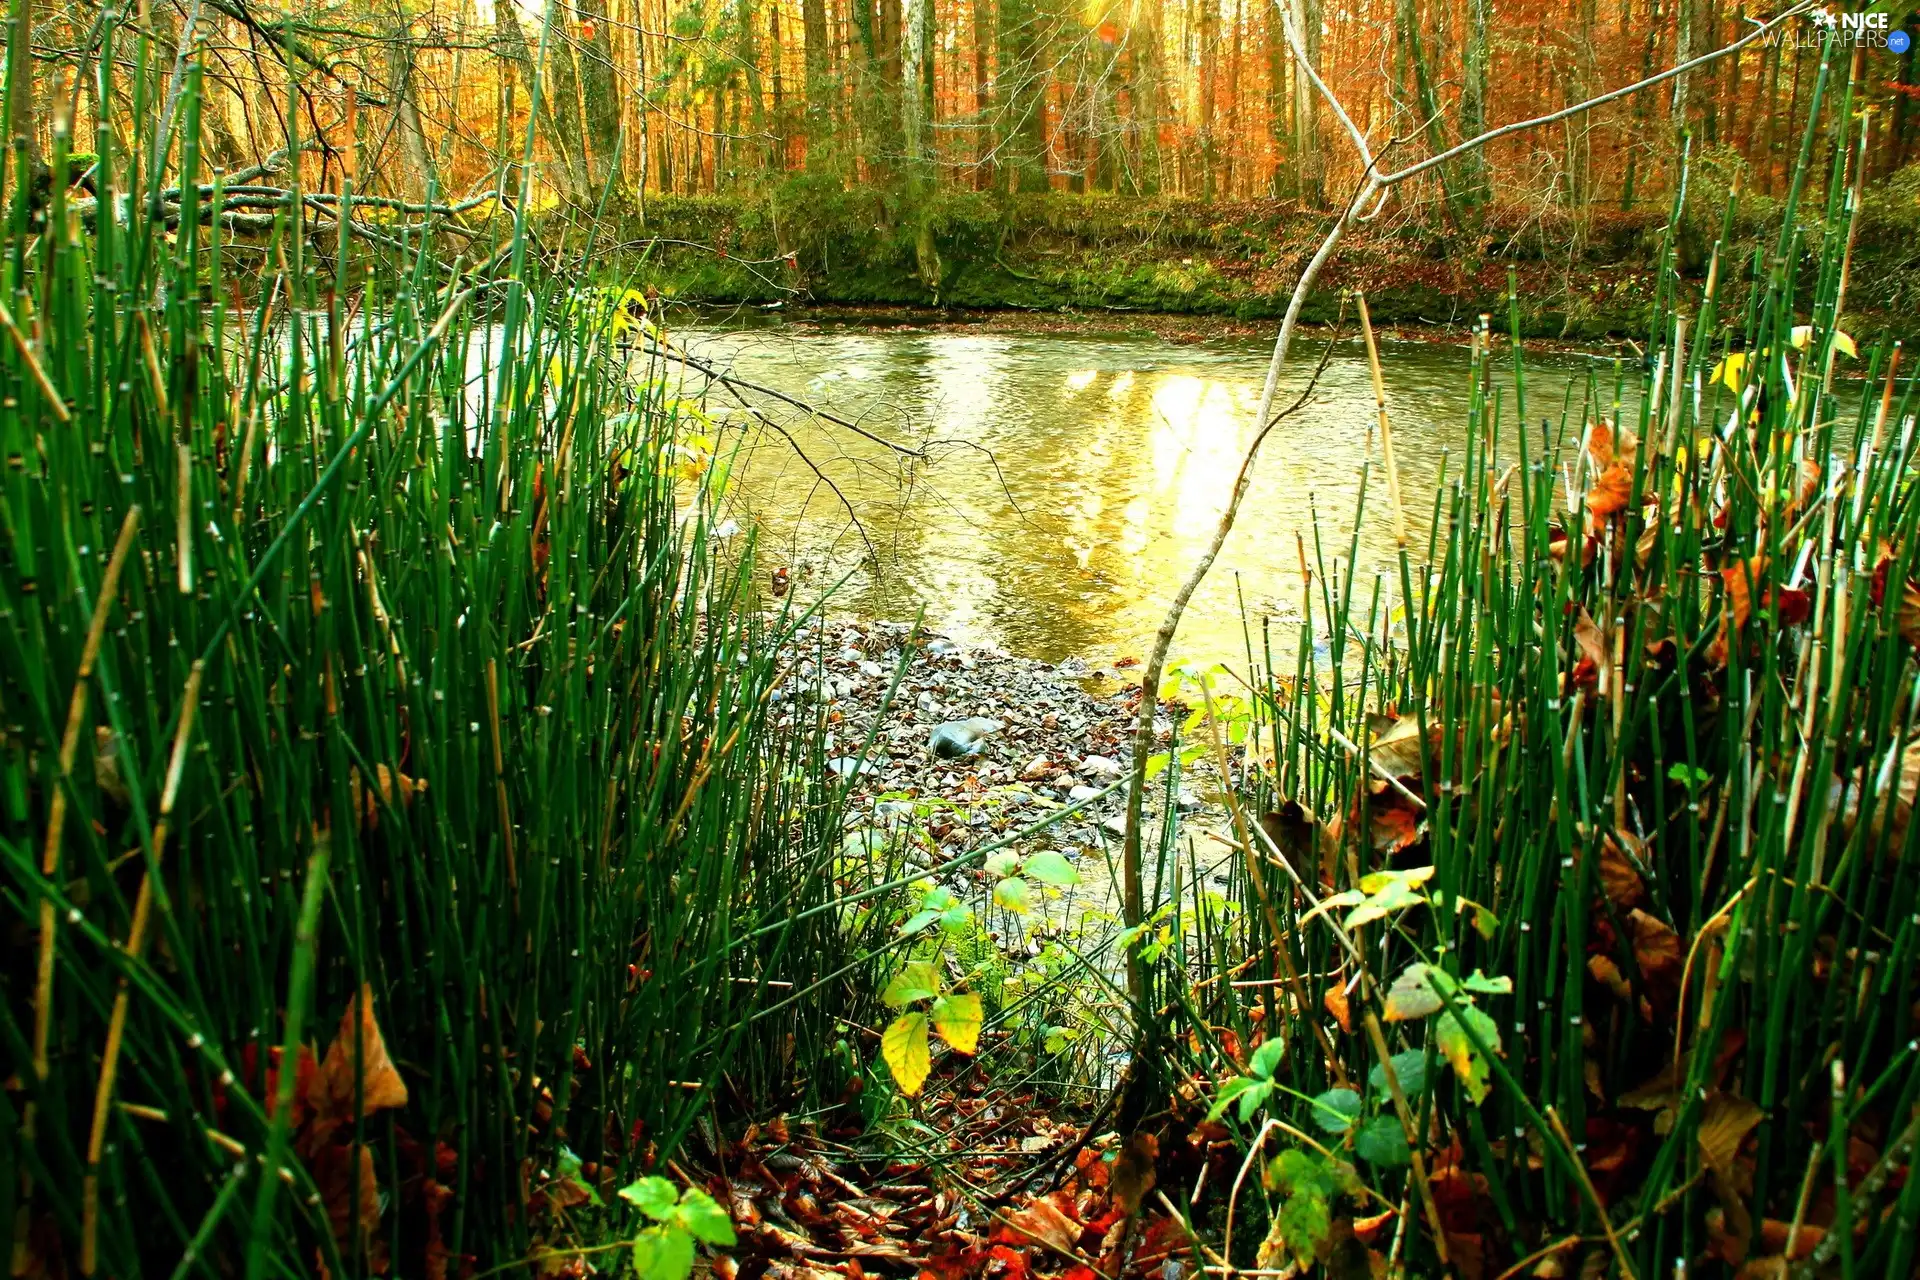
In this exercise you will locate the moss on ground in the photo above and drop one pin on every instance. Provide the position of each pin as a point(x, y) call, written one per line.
point(809, 240)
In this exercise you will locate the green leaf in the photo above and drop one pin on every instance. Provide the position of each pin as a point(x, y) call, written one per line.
point(955, 918)
point(958, 1019)
point(938, 898)
point(1267, 1057)
point(1396, 895)
point(1689, 776)
point(1411, 878)
point(1231, 1090)
point(917, 981)
point(1293, 1170)
point(663, 1253)
point(1458, 1049)
point(1052, 868)
point(1333, 902)
point(1336, 1110)
point(702, 1215)
point(1251, 1100)
point(918, 921)
point(1014, 894)
point(1382, 1141)
point(1411, 1068)
point(1410, 997)
point(1003, 863)
point(1306, 1220)
point(1481, 984)
point(1158, 762)
point(655, 1197)
point(904, 1048)
point(569, 1169)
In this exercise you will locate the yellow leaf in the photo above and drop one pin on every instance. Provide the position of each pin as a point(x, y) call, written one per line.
point(904, 1047)
point(958, 1019)
point(1729, 371)
point(1802, 338)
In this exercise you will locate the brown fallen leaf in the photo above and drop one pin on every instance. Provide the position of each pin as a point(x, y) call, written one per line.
point(1045, 1222)
point(1656, 949)
point(1595, 665)
point(1336, 1003)
point(1133, 1171)
point(376, 1084)
point(1725, 1122)
point(1618, 878)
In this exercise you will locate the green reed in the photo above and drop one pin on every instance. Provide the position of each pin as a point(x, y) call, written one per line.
point(1689, 1073)
point(371, 632)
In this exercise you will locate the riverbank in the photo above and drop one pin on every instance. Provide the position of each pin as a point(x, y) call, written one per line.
point(1061, 735)
point(1576, 278)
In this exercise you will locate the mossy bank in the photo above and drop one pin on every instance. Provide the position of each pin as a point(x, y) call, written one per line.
point(810, 241)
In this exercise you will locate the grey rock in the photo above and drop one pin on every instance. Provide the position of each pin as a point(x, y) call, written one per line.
point(1082, 792)
point(1101, 766)
point(847, 766)
point(957, 738)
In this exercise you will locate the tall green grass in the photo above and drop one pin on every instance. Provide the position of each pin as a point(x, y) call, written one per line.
point(1672, 750)
point(363, 628)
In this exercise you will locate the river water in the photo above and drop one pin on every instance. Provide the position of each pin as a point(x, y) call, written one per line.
point(1074, 479)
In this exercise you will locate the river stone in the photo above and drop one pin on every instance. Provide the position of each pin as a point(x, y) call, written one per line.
point(1101, 766)
point(844, 766)
point(958, 738)
point(1082, 793)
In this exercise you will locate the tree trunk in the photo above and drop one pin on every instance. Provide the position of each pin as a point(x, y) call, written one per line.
point(776, 57)
point(1209, 64)
point(813, 22)
point(1023, 88)
point(1311, 181)
point(1278, 64)
point(983, 40)
point(599, 100)
point(1472, 175)
point(1426, 101)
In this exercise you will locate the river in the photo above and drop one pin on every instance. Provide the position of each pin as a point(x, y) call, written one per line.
point(1074, 478)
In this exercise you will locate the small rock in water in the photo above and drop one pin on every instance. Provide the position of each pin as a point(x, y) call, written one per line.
point(958, 738)
point(940, 647)
point(928, 703)
point(1074, 668)
point(1115, 826)
point(1101, 766)
point(873, 669)
point(1083, 792)
point(847, 766)
point(851, 654)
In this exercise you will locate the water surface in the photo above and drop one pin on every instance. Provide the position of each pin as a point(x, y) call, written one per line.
point(1075, 479)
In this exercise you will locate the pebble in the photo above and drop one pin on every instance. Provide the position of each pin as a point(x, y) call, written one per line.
point(1063, 738)
point(959, 738)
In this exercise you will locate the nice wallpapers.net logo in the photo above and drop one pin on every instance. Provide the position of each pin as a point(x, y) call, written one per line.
point(1823, 26)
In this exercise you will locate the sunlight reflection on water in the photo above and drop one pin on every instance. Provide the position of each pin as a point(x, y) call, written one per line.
point(1115, 456)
